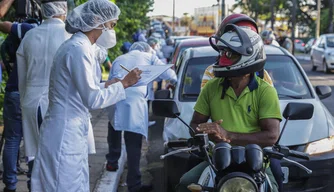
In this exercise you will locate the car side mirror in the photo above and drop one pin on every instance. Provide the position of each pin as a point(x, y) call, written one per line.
point(165, 108)
point(323, 91)
point(298, 111)
point(162, 94)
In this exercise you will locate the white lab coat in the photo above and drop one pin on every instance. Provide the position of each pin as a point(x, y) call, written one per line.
point(34, 62)
point(100, 57)
point(61, 162)
point(131, 114)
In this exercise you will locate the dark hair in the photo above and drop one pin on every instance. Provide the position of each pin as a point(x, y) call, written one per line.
point(70, 29)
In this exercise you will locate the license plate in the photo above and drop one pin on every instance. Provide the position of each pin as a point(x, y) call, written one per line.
point(285, 171)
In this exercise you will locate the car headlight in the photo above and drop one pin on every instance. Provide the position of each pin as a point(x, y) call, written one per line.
point(239, 184)
point(321, 146)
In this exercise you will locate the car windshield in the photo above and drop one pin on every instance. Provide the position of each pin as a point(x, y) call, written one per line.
point(192, 77)
point(330, 41)
point(287, 78)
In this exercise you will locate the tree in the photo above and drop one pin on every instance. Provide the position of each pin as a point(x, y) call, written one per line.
point(263, 9)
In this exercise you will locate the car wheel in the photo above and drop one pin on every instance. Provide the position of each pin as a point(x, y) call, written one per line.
point(326, 70)
point(314, 68)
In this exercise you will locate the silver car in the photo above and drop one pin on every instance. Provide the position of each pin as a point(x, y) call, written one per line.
point(322, 53)
point(314, 136)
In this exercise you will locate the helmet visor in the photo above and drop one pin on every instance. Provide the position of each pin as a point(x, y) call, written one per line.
point(228, 57)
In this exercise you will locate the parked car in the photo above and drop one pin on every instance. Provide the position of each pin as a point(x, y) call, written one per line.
point(322, 53)
point(308, 45)
point(314, 136)
point(299, 45)
point(185, 44)
point(177, 39)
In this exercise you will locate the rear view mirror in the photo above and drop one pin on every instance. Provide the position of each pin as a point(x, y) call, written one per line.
point(323, 91)
point(162, 94)
point(298, 111)
point(165, 108)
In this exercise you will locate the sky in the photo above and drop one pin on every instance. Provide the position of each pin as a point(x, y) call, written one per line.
point(165, 7)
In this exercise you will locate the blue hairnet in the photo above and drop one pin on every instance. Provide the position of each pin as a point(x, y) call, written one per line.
point(125, 47)
point(152, 41)
point(91, 15)
point(140, 46)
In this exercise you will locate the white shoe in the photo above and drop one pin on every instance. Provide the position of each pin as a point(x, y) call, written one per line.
point(150, 123)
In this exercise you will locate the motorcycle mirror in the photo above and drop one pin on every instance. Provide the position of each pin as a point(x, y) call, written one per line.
point(168, 108)
point(296, 111)
point(165, 108)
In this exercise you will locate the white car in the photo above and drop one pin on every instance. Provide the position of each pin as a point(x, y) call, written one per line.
point(322, 53)
point(314, 136)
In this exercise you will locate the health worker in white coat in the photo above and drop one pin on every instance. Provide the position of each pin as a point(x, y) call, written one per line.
point(34, 61)
point(131, 114)
point(61, 162)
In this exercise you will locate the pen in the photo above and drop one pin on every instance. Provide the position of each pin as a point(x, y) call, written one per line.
point(124, 68)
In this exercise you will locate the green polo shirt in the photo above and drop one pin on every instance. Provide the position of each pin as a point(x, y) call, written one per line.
point(259, 100)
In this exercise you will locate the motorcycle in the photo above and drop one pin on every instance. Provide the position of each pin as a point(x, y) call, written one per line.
point(234, 168)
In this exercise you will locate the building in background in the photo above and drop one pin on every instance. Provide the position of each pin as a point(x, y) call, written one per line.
point(207, 19)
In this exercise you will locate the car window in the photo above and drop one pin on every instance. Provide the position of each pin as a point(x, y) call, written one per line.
point(192, 77)
point(178, 63)
point(321, 42)
point(287, 78)
point(330, 41)
point(178, 56)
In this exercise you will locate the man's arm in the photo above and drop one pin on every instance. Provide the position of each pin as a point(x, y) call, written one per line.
point(198, 119)
point(5, 27)
point(266, 137)
point(4, 7)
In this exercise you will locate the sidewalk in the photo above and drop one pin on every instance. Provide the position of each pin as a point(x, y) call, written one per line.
point(100, 181)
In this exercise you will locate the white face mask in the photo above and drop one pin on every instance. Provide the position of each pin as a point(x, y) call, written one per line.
point(107, 39)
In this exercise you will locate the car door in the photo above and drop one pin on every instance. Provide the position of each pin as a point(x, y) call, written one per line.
point(316, 51)
point(321, 51)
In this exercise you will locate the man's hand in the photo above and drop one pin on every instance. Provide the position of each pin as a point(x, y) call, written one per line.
point(215, 131)
point(170, 86)
point(131, 78)
point(112, 81)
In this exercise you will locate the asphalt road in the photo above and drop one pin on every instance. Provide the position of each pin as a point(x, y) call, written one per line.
point(155, 149)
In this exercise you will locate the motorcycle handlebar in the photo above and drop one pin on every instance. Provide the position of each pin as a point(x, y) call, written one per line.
point(298, 154)
point(178, 143)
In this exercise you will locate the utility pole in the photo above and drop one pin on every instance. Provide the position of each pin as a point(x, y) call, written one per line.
point(272, 19)
point(317, 31)
point(173, 16)
point(294, 9)
point(223, 9)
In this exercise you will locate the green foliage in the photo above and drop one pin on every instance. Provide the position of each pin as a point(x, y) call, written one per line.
point(261, 9)
point(133, 17)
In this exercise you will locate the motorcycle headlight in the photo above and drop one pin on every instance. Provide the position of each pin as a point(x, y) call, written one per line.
point(321, 146)
point(239, 183)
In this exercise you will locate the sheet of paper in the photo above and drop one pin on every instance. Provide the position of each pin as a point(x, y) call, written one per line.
point(150, 73)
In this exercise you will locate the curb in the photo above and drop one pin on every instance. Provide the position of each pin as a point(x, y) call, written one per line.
point(109, 181)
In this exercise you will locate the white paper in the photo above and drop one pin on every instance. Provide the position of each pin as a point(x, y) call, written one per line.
point(150, 73)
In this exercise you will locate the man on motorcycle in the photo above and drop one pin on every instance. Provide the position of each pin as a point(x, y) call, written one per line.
point(244, 109)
